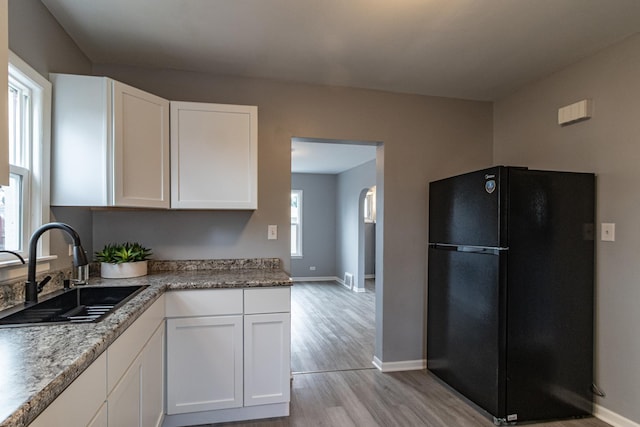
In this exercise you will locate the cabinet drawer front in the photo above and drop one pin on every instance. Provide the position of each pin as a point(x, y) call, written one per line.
point(127, 346)
point(204, 302)
point(267, 300)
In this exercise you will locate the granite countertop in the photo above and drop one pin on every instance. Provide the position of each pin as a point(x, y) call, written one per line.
point(38, 362)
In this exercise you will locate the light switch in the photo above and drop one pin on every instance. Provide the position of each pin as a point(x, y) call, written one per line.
point(272, 232)
point(608, 232)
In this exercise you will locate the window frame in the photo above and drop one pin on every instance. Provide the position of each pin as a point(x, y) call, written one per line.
point(298, 225)
point(36, 192)
point(369, 208)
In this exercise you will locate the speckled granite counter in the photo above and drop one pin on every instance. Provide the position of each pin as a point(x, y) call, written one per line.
point(38, 362)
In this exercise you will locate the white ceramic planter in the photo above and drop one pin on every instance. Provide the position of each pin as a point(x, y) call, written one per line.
point(123, 271)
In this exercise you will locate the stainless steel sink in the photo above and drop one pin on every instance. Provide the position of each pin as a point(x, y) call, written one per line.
point(77, 305)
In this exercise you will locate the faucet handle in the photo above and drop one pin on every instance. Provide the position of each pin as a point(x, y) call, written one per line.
point(43, 283)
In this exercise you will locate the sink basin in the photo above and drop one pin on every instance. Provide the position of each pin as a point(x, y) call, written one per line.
point(78, 305)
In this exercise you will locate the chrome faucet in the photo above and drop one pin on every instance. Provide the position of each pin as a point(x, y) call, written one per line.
point(32, 287)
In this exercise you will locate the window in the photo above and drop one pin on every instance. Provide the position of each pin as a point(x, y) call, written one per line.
point(296, 223)
point(370, 206)
point(24, 203)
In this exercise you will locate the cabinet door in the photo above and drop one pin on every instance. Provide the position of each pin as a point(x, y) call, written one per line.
point(141, 148)
point(81, 137)
point(267, 358)
point(100, 420)
point(214, 156)
point(204, 363)
point(124, 402)
point(4, 81)
point(153, 379)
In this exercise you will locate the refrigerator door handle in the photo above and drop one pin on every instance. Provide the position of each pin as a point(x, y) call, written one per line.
point(489, 250)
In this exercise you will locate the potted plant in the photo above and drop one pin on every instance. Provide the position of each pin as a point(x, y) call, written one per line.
point(123, 260)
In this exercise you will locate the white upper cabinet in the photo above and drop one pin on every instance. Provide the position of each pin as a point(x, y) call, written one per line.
point(214, 156)
point(110, 144)
point(4, 81)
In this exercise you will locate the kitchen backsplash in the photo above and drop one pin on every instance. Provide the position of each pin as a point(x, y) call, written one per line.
point(215, 264)
point(12, 293)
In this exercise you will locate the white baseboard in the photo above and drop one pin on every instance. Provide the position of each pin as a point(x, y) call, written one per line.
point(327, 279)
point(612, 418)
point(405, 365)
point(316, 279)
point(272, 410)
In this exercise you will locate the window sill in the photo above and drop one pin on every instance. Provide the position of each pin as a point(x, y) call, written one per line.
point(14, 269)
point(296, 257)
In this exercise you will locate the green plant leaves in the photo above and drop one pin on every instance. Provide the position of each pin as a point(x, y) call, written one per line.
point(117, 253)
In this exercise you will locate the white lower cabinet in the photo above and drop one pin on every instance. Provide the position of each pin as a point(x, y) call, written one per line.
point(227, 359)
point(124, 386)
point(228, 355)
point(135, 372)
point(267, 355)
point(137, 398)
point(125, 402)
point(153, 379)
point(100, 420)
point(204, 358)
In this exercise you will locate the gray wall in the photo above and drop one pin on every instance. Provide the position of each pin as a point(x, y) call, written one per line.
point(351, 184)
point(318, 225)
point(527, 133)
point(37, 38)
point(370, 248)
point(425, 138)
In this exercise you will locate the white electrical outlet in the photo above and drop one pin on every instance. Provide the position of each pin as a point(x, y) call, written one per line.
point(272, 232)
point(312, 268)
point(608, 232)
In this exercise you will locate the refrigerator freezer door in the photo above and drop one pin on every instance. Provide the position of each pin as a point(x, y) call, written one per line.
point(464, 334)
point(465, 210)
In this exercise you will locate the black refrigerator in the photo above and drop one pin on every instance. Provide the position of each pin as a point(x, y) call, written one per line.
point(511, 291)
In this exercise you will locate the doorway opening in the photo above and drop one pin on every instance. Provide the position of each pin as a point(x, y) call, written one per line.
point(337, 188)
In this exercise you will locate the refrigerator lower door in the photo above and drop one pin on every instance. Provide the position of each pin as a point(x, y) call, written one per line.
point(464, 337)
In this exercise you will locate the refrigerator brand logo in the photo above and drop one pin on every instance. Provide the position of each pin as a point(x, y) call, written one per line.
point(490, 185)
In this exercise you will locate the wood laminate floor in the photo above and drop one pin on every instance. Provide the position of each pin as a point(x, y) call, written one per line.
point(335, 385)
point(332, 328)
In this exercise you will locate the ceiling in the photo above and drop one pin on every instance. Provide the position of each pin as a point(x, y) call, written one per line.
point(309, 156)
point(471, 49)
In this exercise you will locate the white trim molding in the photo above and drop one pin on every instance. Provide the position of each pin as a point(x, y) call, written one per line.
point(316, 279)
point(610, 417)
point(405, 365)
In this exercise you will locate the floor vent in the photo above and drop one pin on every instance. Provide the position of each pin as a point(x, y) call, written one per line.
point(348, 280)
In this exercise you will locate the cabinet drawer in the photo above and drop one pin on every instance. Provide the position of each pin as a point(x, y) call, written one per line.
point(267, 300)
point(126, 347)
point(204, 302)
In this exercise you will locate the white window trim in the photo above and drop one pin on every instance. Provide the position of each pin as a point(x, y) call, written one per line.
point(370, 200)
point(39, 163)
point(298, 255)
